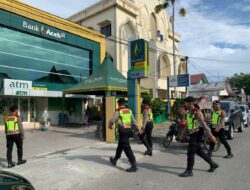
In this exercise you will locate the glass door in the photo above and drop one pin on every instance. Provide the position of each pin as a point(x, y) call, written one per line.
point(24, 109)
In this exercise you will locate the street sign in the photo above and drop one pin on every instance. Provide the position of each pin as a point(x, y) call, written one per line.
point(173, 81)
point(183, 80)
point(139, 59)
point(179, 80)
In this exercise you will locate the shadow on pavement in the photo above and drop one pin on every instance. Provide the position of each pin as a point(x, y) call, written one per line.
point(94, 158)
point(88, 135)
point(2, 161)
point(114, 149)
point(165, 169)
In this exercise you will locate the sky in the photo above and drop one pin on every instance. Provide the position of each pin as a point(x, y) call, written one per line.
point(215, 34)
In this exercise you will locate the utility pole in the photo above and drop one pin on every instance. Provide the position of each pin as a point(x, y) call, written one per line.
point(186, 61)
point(174, 61)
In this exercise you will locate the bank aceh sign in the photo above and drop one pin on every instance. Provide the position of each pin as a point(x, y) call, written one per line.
point(43, 30)
point(139, 58)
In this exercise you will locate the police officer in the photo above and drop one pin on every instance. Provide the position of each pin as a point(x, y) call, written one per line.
point(196, 128)
point(123, 117)
point(218, 124)
point(14, 134)
point(146, 130)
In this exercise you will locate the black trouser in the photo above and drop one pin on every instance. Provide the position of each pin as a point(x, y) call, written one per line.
point(194, 147)
point(124, 144)
point(146, 137)
point(17, 139)
point(222, 136)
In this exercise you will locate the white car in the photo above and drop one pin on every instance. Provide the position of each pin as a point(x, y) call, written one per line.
point(246, 114)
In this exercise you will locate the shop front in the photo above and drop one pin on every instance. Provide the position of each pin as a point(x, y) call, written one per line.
point(40, 56)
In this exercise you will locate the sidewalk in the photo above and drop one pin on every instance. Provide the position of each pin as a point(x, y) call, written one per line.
point(39, 142)
point(72, 169)
point(75, 167)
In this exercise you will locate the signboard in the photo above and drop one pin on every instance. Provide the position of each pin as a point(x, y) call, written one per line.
point(27, 88)
point(17, 87)
point(173, 82)
point(183, 80)
point(42, 30)
point(139, 59)
point(179, 80)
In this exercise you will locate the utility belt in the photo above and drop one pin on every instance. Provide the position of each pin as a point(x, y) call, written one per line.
point(124, 126)
point(192, 131)
point(12, 132)
point(214, 126)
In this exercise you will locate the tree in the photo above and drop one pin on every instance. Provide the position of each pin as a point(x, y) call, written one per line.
point(179, 102)
point(166, 4)
point(148, 98)
point(158, 107)
point(240, 81)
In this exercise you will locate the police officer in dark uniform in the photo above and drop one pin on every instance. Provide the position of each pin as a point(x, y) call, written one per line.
point(146, 130)
point(14, 134)
point(218, 124)
point(123, 117)
point(196, 127)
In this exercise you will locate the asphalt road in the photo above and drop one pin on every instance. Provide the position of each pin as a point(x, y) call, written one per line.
point(161, 171)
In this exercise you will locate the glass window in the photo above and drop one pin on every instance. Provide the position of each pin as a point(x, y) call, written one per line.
point(242, 108)
point(106, 30)
point(27, 57)
point(225, 106)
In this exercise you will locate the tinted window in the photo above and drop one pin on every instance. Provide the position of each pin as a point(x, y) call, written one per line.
point(225, 106)
point(242, 108)
point(27, 57)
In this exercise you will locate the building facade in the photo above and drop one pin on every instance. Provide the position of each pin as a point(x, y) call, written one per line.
point(122, 21)
point(40, 56)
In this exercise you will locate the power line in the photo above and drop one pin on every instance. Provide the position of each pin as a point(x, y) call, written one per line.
point(124, 43)
point(196, 68)
point(204, 69)
point(161, 50)
point(219, 60)
point(76, 28)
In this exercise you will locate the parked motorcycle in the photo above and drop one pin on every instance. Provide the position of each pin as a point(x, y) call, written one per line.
point(178, 130)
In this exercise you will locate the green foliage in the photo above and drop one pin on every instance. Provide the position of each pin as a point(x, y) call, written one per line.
point(182, 12)
point(166, 4)
point(158, 107)
point(239, 81)
point(175, 108)
point(148, 98)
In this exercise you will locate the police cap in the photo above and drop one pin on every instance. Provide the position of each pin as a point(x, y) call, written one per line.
point(122, 101)
point(189, 99)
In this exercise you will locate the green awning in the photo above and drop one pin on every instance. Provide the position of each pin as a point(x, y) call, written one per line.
point(107, 78)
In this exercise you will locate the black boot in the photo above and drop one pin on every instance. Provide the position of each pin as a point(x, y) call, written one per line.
point(21, 162)
point(229, 156)
point(187, 173)
point(209, 153)
point(113, 161)
point(11, 164)
point(213, 167)
point(133, 167)
point(148, 152)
